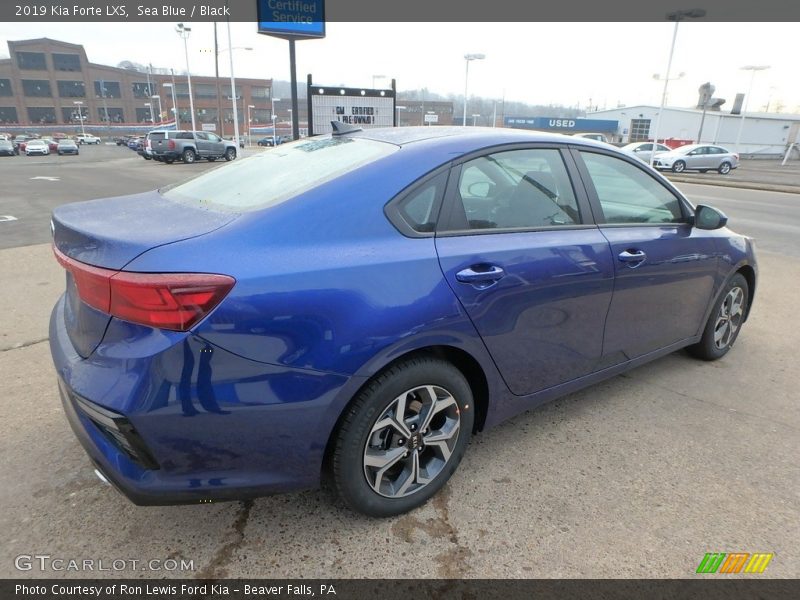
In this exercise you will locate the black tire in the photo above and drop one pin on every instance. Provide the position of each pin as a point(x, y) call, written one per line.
point(357, 428)
point(708, 348)
point(189, 156)
point(230, 154)
point(678, 166)
point(724, 168)
point(61, 154)
point(147, 157)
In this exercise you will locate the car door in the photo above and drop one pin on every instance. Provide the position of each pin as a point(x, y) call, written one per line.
point(665, 269)
point(518, 247)
point(203, 144)
point(216, 147)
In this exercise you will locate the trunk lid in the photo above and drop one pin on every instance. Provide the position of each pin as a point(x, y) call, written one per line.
point(109, 234)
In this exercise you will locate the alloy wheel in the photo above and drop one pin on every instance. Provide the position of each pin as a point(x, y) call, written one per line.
point(729, 318)
point(411, 441)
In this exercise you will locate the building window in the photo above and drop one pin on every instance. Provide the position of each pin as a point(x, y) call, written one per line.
point(206, 115)
point(205, 90)
point(115, 115)
point(261, 116)
point(73, 114)
point(259, 92)
point(640, 130)
point(143, 115)
point(143, 90)
point(8, 114)
point(5, 87)
point(31, 61)
point(107, 89)
point(66, 62)
point(36, 88)
point(71, 89)
point(42, 116)
point(182, 90)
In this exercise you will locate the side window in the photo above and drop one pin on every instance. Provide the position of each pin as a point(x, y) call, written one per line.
point(419, 209)
point(517, 189)
point(214, 137)
point(628, 194)
point(646, 147)
point(201, 135)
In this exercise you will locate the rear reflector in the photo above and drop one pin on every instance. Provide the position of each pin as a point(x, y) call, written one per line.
point(164, 300)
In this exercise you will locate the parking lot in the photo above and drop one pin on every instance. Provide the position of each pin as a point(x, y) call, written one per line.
point(639, 476)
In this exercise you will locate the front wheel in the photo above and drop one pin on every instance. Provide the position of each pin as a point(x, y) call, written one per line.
point(679, 166)
point(189, 156)
point(725, 321)
point(402, 437)
point(230, 154)
point(724, 168)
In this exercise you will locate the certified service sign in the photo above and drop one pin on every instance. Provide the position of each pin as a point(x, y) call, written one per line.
point(294, 19)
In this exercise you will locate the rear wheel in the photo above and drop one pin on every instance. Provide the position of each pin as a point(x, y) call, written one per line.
point(724, 168)
point(402, 437)
point(189, 156)
point(230, 154)
point(679, 166)
point(725, 321)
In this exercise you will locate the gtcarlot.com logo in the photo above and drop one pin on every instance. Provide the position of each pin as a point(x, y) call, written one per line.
point(734, 562)
point(46, 562)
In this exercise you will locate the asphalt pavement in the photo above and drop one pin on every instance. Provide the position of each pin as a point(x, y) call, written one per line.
point(639, 476)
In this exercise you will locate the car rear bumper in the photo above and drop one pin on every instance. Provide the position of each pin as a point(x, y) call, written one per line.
point(168, 154)
point(168, 418)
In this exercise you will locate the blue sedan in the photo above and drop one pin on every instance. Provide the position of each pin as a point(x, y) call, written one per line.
point(353, 307)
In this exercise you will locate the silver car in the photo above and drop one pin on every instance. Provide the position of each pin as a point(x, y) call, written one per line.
point(698, 157)
point(643, 150)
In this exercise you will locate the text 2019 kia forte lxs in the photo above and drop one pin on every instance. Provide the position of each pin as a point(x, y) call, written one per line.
point(359, 304)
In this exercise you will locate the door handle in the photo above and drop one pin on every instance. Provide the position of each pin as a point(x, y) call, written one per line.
point(470, 275)
point(632, 256)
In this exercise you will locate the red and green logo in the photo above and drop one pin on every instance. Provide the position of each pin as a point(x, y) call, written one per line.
point(734, 562)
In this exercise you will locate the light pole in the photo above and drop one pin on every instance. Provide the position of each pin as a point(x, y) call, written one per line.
point(752, 69)
point(249, 125)
point(183, 32)
point(233, 88)
point(677, 16)
point(274, 117)
point(79, 104)
point(174, 106)
point(468, 58)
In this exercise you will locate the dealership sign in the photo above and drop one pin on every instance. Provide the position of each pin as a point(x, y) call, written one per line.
point(362, 107)
point(292, 18)
point(561, 124)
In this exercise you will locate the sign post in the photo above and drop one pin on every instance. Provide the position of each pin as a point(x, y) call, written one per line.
point(292, 21)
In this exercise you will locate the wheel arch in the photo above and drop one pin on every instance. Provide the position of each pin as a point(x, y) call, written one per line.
point(749, 274)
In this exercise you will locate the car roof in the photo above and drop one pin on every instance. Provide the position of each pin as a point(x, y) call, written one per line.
point(478, 137)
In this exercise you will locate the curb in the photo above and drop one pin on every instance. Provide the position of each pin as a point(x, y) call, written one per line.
point(746, 185)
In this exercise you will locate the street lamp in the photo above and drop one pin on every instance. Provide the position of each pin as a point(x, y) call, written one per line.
point(79, 104)
point(183, 32)
point(468, 58)
point(677, 16)
point(249, 125)
point(174, 105)
point(233, 85)
point(752, 69)
point(274, 117)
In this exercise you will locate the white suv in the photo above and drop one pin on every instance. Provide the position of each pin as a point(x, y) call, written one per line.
point(87, 139)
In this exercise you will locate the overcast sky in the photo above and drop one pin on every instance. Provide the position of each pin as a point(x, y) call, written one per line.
point(540, 63)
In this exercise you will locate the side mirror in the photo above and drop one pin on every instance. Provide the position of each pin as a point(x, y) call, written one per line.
point(706, 217)
point(637, 149)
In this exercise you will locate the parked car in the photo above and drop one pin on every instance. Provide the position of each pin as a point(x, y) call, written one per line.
point(136, 144)
point(698, 157)
point(597, 137)
point(122, 141)
point(355, 306)
point(20, 141)
point(87, 139)
point(52, 145)
point(67, 146)
point(7, 148)
point(269, 141)
point(644, 150)
point(39, 147)
point(189, 146)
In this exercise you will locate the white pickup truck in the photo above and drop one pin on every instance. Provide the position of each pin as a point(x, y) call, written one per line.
point(87, 139)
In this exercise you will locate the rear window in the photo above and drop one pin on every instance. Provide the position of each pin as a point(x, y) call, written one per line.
point(156, 135)
point(275, 175)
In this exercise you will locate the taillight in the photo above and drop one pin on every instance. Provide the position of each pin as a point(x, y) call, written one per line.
point(164, 300)
point(171, 144)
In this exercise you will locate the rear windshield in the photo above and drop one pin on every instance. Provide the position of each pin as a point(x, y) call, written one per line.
point(156, 135)
point(275, 175)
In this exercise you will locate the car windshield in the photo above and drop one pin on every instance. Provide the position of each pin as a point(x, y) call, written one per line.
point(273, 176)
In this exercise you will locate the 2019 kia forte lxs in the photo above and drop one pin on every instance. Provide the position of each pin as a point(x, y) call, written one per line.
point(360, 303)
